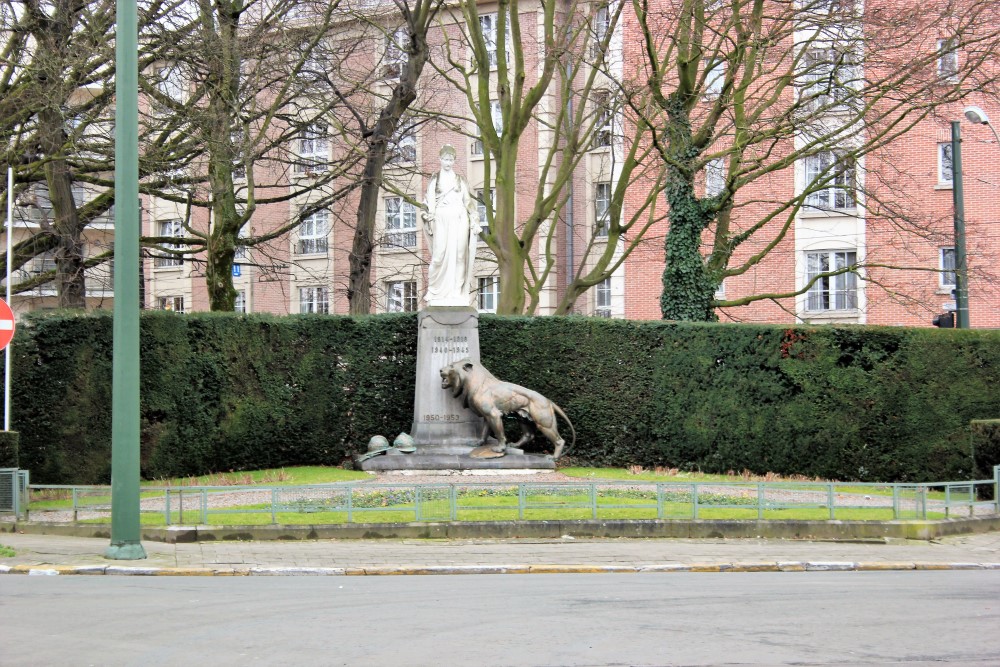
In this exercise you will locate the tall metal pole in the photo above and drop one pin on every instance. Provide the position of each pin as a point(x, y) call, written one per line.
point(961, 266)
point(125, 529)
point(10, 257)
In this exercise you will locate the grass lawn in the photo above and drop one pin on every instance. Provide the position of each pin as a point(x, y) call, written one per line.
point(6, 552)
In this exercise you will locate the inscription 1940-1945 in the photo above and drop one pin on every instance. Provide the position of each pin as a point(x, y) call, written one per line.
point(450, 345)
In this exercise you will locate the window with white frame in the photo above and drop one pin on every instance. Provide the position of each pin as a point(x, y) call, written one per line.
point(602, 24)
point(240, 251)
point(715, 177)
point(313, 149)
point(602, 298)
point(947, 61)
point(170, 303)
point(715, 76)
point(497, 115)
point(489, 26)
point(832, 292)
point(720, 291)
point(404, 146)
point(488, 294)
point(169, 228)
point(830, 77)
point(485, 197)
point(400, 223)
point(395, 53)
point(604, 119)
point(946, 262)
point(240, 304)
point(314, 300)
point(239, 166)
point(172, 83)
point(831, 177)
point(401, 296)
point(946, 167)
point(602, 208)
point(314, 232)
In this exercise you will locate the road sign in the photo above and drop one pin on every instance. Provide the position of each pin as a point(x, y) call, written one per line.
point(236, 271)
point(6, 324)
point(949, 305)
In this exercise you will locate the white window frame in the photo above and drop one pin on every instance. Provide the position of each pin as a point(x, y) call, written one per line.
point(836, 293)
point(947, 276)
point(715, 176)
point(947, 60)
point(604, 121)
point(484, 219)
point(715, 76)
point(171, 303)
point(314, 300)
point(497, 114)
point(240, 304)
point(602, 298)
point(487, 294)
point(172, 83)
point(945, 164)
point(400, 218)
point(174, 228)
point(601, 24)
point(488, 26)
point(396, 56)
point(314, 234)
point(602, 209)
point(404, 147)
point(313, 150)
point(830, 77)
point(840, 191)
point(401, 296)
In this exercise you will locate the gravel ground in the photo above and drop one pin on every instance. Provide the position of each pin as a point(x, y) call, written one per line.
point(236, 497)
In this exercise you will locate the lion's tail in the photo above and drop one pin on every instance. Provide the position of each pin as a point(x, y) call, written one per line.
point(571, 429)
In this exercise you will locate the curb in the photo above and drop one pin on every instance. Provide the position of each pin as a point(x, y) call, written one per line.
point(780, 566)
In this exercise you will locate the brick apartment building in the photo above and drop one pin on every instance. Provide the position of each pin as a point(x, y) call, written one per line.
point(905, 273)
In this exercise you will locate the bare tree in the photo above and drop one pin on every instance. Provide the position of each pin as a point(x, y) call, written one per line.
point(742, 91)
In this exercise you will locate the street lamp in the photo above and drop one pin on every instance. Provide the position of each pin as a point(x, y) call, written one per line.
point(977, 116)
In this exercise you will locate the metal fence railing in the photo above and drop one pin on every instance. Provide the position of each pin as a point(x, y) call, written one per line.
point(13, 491)
point(366, 502)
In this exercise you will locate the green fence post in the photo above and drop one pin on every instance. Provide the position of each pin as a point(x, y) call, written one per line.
point(659, 501)
point(831, 500)
point(947, 501)
point(350, 504)
point(274, 503)
point(166, 508)
point(204, 507)
point(417, 497)
point(694, 501)
point(996, 487)
point(76, 512)
point(453, 502)
point(760, 501)
point(895, 502)
point(520, 502)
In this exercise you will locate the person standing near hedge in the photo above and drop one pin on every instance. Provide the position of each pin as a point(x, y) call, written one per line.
point(451, 225)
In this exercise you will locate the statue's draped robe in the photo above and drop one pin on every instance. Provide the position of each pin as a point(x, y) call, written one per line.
point(455, 229)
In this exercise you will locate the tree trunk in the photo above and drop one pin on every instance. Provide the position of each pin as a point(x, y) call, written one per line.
point(688, 291)
point(359, 294)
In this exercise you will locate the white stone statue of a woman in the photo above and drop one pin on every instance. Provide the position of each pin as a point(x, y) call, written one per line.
point(451, 224)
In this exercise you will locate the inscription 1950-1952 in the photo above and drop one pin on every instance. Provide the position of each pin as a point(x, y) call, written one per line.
point(450, 345)
point(442, 418)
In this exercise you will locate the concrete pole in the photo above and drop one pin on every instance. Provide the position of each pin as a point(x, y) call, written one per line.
point(125, 530)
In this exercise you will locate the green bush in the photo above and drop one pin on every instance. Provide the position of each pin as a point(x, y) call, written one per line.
point(222, 391)
point(8, 449)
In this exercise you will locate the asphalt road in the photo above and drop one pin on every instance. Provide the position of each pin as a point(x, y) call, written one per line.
point(816, 618)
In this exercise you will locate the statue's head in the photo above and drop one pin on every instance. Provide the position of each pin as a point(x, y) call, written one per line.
point(447, 155)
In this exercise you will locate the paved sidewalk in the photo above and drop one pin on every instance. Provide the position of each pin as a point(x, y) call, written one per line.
point(49, 554)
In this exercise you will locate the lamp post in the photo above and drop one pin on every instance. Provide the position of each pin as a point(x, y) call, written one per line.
point(961, 269)
point(125, 526)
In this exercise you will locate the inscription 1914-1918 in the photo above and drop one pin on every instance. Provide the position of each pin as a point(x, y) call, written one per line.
point(450, 345)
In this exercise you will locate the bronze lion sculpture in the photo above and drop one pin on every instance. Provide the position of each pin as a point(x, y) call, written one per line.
point(491, 399)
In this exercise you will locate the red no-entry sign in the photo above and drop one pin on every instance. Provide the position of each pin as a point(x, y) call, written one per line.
point(6, 324)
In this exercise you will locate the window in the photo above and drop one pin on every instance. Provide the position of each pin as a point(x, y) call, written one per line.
point(401, 296)
point(488, 294)
point(239, 166)
point(715, 76)
point(837, 292)
point(720, 291)
point(604, 120)
point(947, 64)
point(172, 228)
point(400, 223)
point(240, 305)
point(829, 78)
point(497, 114)
point(715, 177)
point(404, 146)
point(488, 25)
point(837, 173)
point(484, 195)
point(946, 168)
point(171, 303)
point(946, 261)
point(602, 204)
point(602, 300)
point(313, 234)
point(314, 300)
point(602, 24)
point(240, 252)
point(396, 56)
point(44, 262)
point(314, 152)
point(172, 83)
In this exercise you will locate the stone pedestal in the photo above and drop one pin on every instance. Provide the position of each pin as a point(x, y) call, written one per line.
point(444, 431)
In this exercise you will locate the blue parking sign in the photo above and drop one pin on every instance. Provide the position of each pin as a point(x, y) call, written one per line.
point(236, 271)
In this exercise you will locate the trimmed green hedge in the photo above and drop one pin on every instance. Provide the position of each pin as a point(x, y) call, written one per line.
point(226, 391)
point(8, 449)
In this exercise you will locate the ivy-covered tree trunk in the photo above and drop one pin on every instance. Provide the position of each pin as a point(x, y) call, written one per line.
point(688, 290)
